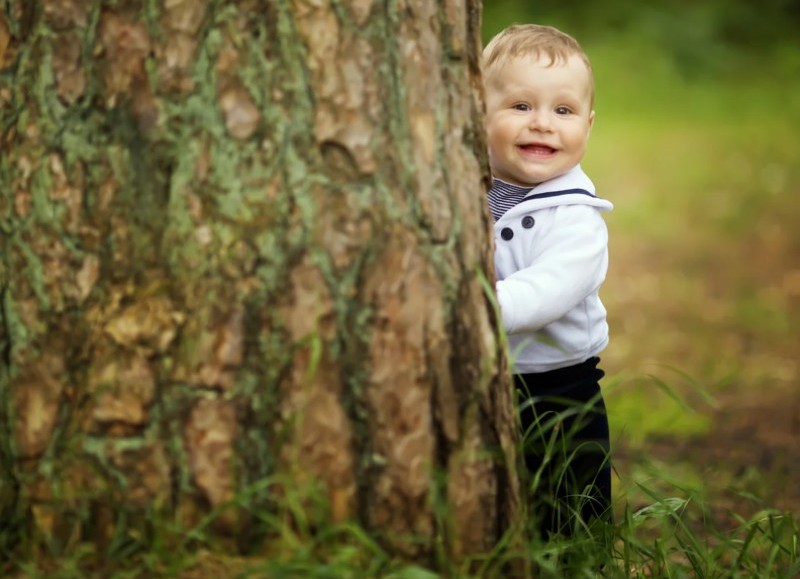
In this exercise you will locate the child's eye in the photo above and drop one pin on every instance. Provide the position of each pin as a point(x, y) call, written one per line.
point(563, 110)
point(521, 107)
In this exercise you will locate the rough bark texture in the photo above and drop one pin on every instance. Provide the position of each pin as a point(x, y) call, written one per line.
point(242, 241)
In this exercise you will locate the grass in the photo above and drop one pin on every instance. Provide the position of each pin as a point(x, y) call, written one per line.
point(675, 534)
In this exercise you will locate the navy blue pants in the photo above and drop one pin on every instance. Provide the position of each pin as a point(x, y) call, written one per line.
point(566, 446)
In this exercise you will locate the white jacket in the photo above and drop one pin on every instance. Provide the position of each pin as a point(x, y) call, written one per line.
point(551, 256)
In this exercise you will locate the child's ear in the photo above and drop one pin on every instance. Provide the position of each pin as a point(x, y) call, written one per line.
point(591, 119)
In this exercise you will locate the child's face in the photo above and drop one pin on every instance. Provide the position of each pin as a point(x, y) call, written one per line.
point(538, 118)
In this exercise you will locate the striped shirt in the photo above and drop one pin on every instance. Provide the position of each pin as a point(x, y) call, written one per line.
point(503, 196)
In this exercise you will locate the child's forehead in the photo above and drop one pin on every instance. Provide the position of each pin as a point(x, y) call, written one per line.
point(528, 75)
point(521, 46)
point(515, 65)
point(536, 57)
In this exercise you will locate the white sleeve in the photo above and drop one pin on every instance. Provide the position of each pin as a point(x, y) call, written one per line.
point(571, 265)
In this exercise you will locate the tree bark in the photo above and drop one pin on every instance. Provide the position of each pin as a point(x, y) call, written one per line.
point(242, 250)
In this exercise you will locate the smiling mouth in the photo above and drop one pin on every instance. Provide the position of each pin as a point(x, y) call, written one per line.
point(536, 149)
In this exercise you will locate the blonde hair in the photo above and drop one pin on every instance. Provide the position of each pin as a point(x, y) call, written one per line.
point(536, 40)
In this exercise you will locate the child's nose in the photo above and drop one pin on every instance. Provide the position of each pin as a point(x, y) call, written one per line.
point(539, 119)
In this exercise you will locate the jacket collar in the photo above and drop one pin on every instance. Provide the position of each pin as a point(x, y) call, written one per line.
point(575, 178)
point(572, 188)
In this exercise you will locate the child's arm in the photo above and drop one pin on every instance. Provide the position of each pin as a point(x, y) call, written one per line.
point(567, 260)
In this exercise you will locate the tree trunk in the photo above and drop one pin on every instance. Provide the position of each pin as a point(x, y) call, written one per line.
point(242, 250)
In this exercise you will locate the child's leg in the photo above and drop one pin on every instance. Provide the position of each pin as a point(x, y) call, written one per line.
point(566, 439)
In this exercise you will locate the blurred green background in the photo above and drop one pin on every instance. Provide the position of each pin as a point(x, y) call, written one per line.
point(697, 142)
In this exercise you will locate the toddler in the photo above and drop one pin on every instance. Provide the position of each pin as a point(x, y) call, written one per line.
point(551, 256)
